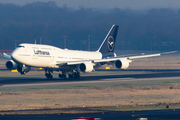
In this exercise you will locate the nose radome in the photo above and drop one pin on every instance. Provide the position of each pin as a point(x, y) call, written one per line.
point(14, 55)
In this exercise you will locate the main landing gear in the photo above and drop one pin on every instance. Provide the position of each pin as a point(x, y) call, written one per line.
point(48, 74)
point(63, 75)
point(71, 75)
point(74, 74)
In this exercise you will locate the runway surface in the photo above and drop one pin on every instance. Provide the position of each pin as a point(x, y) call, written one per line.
point(25, 81)
point(151, 115)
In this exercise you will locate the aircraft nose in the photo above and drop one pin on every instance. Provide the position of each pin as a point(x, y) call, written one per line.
point(14, 55)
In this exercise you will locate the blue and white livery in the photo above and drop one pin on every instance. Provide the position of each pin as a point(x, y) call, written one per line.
point(68, 62)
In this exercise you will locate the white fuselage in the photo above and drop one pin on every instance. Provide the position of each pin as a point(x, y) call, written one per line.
point(37, 55)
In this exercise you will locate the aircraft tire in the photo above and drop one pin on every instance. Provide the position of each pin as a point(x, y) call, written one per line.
point(47, 76)
point(70, 76)
point(62, 76)
point(50, 76)
point(76, 76)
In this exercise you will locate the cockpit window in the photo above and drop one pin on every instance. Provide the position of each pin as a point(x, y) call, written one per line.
point(21, 46)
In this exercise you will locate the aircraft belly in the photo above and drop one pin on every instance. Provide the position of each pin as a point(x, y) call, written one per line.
point(65, 67)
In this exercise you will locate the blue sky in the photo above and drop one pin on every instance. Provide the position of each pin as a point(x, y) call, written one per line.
point(103, 4)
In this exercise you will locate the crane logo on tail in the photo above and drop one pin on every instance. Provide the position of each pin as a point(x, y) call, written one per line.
point(110, 43)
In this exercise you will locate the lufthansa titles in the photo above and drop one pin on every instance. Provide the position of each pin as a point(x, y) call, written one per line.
point(39, 52)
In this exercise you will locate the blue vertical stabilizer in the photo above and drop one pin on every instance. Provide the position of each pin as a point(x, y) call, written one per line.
point(108, 44)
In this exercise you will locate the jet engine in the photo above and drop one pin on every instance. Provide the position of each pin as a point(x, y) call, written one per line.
point(11, 65)
point(86, 67)
point(121, 64)
point(23, 69)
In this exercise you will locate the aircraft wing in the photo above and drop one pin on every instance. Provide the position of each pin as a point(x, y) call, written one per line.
point(6, 56)
point(132, 57)
point(150, 55)
point(128, 58)
point(113, 59)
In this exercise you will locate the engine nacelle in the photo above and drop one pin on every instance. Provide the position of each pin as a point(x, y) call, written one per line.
point(86, 67)
point(22, 69)
point(121, 64)
point(11, 65)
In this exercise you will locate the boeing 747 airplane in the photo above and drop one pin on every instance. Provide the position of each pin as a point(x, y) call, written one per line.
point(68, 62)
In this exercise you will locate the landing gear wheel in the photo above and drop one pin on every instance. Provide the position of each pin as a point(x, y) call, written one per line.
point(62, 76)
point(71, 76)
point(49, 76)
point(46, 74)
point(76, 75)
